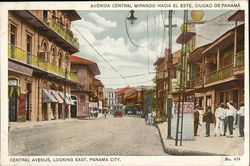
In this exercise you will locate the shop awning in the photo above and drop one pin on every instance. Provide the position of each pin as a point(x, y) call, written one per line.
point(48, 97)
point(132, 96)
point(67, 100)
point(70, 100)
point(56, 95)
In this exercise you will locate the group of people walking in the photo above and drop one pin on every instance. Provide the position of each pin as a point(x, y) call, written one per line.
point(225, 117)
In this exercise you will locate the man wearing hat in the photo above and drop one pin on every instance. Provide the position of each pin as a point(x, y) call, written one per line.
point(196, 119)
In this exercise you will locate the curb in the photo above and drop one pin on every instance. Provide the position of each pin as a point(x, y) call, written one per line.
point(176, 151)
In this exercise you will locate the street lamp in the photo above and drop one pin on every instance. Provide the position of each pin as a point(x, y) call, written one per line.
point(131, 18)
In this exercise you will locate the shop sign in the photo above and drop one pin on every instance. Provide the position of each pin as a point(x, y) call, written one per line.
point(19, 68)
point(188, 107)
point(93, 105)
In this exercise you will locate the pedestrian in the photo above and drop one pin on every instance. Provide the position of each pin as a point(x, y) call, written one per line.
point(226, 109)
point(105, 114)
point(220, 116)
point(231, 113)
point(196, 119)
point(208, 121)
point(241, 119)
point(201, 116)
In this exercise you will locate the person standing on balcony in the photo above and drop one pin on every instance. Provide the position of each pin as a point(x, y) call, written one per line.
point(208, 121)
point(241, 114)
point(231, 113)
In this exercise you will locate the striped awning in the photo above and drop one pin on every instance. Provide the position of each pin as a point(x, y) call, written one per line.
point(67, 100)
point(56, 95)
point(48, 97)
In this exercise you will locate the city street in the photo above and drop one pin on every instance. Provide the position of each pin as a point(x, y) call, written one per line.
point(128, 136)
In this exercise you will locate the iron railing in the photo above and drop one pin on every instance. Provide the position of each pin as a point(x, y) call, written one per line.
point(220, 74)
point(32, 60)
point(240, 58)
point(64, 32)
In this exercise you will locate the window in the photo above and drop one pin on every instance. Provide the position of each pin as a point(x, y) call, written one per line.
point(221, 97)
point(29, 43)
point(13, 31)
point(54, 15)
point(45, 15)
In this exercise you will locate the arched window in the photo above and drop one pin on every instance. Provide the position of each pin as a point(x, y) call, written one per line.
point(67, 61)
point(60, 60)
point(53, 54)
point(44, 50)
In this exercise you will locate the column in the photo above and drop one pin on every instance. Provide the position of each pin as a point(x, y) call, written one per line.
point(235, 45)
point(40, 104)
point(218, 58)
point(48, 111)
point(56, 111)
point(69, 113)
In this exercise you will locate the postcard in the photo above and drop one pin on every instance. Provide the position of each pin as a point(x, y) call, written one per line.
point(124, 83)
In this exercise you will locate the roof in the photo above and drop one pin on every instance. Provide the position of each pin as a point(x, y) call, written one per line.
point(99, 83)
point(81, 61)
point(122, 90)
point(196, 55)
point(224, 40)
point(131, 96)
point(159, 60)
point(238, 16)
point(176, 56)
point(184, 37)
point(73, 15)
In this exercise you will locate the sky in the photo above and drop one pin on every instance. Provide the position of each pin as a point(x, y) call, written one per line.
point(106, 32)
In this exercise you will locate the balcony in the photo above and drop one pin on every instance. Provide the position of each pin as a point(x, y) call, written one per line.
point(54, 31)
point(220, 74)
point(34, 61)
point(194, 82)
point(64, 32)
point(240, 58)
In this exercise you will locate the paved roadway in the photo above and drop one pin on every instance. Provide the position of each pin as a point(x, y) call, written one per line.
point(126, 136)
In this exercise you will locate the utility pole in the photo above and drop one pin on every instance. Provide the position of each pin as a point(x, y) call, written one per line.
point(169, 66)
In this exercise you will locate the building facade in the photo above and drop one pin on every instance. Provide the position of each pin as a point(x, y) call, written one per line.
point(214, 67)
point(39, 76)
point(89, 91)
point(111, 96)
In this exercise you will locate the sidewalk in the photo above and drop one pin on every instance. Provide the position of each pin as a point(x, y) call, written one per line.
point(31, 124)
point(202, 145)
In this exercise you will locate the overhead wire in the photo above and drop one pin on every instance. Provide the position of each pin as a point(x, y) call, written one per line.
point(101, 56)
point(130, 39)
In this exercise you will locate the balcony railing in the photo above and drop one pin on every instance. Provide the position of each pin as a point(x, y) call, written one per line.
point(194, 82)
point(64, 32)
point(220, 74)
point(32, 60)
point(240, 58)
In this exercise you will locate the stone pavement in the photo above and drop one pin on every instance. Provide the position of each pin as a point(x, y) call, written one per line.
point(220, 145)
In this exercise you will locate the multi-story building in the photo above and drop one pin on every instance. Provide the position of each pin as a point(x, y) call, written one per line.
point(222, 77)
point(120, 95)
point(39, 78)
point(111, 96)
point(198, 36)
point(215, 56)
point(162, 79)
point(89, 91)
